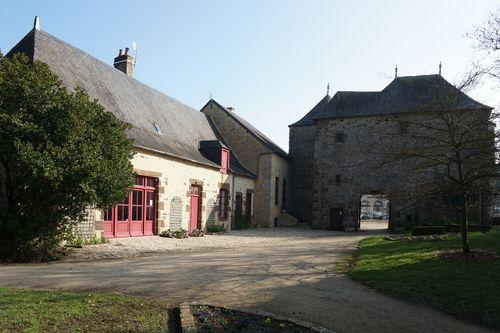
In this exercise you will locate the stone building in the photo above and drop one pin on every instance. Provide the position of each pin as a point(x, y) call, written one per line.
point(374, 207)
point(189, 174)
point(260, 156)
point(331, 149)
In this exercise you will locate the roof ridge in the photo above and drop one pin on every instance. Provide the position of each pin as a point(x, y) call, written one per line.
point(132, 101)
point(125, 76)
point(275, 148)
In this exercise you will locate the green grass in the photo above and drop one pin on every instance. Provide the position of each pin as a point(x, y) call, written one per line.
point(410, 270)
point(23, 310)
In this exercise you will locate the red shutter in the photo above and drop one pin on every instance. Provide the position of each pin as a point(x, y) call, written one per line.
point(223, 203)
point(224, 161)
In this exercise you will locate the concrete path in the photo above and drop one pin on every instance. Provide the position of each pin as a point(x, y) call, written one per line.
point(292, 278)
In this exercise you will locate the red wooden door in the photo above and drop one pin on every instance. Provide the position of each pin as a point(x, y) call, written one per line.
point(121, 218)
point(137, 216)
point(149, 214)
point(108, 223)
point(194, 208)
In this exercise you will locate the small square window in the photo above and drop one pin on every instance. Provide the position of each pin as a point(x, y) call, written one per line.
point(403, 128)
point(337, 179)
point(339, 137)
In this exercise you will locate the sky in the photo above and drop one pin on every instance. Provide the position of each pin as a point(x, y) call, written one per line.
point(269, 59)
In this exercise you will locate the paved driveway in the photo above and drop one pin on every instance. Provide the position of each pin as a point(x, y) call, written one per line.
point(290, 277)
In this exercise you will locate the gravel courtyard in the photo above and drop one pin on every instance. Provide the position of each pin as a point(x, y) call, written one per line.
point(290, 272)
point(140, 246)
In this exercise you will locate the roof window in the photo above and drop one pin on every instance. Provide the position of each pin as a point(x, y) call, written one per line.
point(158, 129)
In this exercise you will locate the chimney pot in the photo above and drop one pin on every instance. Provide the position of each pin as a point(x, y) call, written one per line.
point(124, 62)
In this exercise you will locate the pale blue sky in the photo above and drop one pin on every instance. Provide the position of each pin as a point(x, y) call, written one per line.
point(270, 59)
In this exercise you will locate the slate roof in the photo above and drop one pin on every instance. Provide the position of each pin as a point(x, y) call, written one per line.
point(404, 94)
point(315, 111)
point(273, 147)
point(130, 100)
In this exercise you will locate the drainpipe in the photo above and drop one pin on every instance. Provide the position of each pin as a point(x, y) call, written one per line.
point(233, 173)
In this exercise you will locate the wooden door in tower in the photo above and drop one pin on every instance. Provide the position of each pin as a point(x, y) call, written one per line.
point(336, 218)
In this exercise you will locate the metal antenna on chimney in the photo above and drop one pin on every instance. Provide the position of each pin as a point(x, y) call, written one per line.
point(135, 47)
point(36, 23)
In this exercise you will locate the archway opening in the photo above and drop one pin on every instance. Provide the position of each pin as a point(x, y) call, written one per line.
point(374, 212)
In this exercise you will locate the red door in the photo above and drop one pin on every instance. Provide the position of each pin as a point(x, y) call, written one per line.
point(136, 215)
point(149, 218)
point(194, 208)
point(121, 218)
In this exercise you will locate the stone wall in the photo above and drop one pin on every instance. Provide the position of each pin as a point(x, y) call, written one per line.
point(243, 145)
point(344, 171)
point(272, 167)
point(301, 143)
point(257, 158)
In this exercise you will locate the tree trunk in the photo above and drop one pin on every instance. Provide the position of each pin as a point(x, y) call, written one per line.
point(465, 224)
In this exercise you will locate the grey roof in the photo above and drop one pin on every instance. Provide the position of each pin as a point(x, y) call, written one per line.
point(273, 147)
point(315, 111)
point(130, 100)
point(403, 95)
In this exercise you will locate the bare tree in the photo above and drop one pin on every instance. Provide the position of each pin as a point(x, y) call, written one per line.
point(486, 39)
point(449, 148)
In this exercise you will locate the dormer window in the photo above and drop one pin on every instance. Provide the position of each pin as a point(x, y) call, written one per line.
point(158, 129)
point(224, 161)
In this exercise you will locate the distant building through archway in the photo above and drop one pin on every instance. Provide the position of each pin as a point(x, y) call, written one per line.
point(374, 212)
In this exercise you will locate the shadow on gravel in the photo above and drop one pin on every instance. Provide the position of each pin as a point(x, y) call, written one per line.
point(174, 320)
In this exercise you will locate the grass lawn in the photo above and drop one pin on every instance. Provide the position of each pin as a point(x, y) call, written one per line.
point(410, 270)
point(23, 310)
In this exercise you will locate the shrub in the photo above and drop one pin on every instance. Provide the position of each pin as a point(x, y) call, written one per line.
point(60, 153)
point(78, 241)
point(181, 233)
point(216, 228)
point(428, 230)
point(241, 223)
point(196, 233)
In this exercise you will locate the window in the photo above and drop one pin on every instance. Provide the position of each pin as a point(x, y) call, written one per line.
point(224, 161)
point(108, 214)
point(248, 205)
point(337, 179)
point(137, 205)
point(283, 196)
point(158, 129)
point(223, 203)
point(378, 206)
point(403, 128)
point(277, 191)
point(339, 137)
point(238, 206)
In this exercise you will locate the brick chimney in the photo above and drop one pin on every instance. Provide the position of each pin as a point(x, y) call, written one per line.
point(124, 62)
